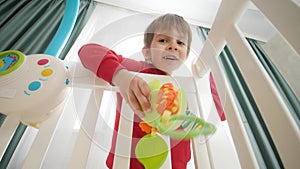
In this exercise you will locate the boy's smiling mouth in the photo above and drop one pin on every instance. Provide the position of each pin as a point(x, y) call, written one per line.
point(170, 57)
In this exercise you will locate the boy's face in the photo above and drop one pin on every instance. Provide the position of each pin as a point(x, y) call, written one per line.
point(168, 50)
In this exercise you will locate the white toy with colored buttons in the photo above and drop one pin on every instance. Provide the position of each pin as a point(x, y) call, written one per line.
point(32, 87)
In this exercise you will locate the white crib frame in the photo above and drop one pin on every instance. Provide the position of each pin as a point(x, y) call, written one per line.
point(224, 31)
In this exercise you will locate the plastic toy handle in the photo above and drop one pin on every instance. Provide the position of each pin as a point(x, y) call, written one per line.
point(201, 127)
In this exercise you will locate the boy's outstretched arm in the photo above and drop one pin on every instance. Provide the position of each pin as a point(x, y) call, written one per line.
point(113, 68)
point(134, 90)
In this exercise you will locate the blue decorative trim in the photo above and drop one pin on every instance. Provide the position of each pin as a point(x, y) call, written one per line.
point(65, 28)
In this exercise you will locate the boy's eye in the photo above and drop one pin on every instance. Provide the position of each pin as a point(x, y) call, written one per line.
point(162, 40)
point(180, 43)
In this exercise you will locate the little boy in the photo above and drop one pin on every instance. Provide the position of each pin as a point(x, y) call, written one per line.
point(167, 43)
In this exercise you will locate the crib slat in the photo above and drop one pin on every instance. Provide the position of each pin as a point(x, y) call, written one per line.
point(7, 131)
point(84, 139)
point(287, 22)
point(200, 152)
point(123, 143)
point(241, 141)
point(228, 14)
point(124, 139)
point(268, 99)
point(209, 56)
point(43, 139)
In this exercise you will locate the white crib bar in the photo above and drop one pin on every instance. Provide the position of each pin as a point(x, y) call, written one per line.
point(43, 139)
point(284, 15)
point(123, 143)
point(272, 107)
point(6, 132)
point(228, 14)
point(241, 141)
point(275, 113)
point(81, 150)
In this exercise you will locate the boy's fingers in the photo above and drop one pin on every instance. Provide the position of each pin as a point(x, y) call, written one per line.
point(138, 100)
point(134, 103)
point(145, 90)
point(143, 101)
point(144, 95)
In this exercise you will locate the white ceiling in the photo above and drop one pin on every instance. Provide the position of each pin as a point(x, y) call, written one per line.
point(200, 12)
point(196, 11)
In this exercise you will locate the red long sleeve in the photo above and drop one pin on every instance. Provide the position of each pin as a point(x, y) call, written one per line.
point(105, 62)
point(100, 60)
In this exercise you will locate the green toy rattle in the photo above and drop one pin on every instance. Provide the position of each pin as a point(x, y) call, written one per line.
point(169, 106)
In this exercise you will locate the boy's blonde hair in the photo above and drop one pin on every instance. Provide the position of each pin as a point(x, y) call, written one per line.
point(168, 22)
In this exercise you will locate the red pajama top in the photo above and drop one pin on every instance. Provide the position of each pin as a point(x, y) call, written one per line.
point(105, 63)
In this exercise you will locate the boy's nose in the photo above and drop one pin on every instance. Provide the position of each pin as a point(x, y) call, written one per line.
point(172, 46)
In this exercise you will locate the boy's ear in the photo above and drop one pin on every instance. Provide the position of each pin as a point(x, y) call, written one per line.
point(146, 52)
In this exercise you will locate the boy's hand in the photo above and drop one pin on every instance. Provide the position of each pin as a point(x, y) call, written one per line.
point(134, 90)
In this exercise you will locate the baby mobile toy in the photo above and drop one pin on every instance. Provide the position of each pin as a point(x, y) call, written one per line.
point(32, 87)
point(168, 117)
